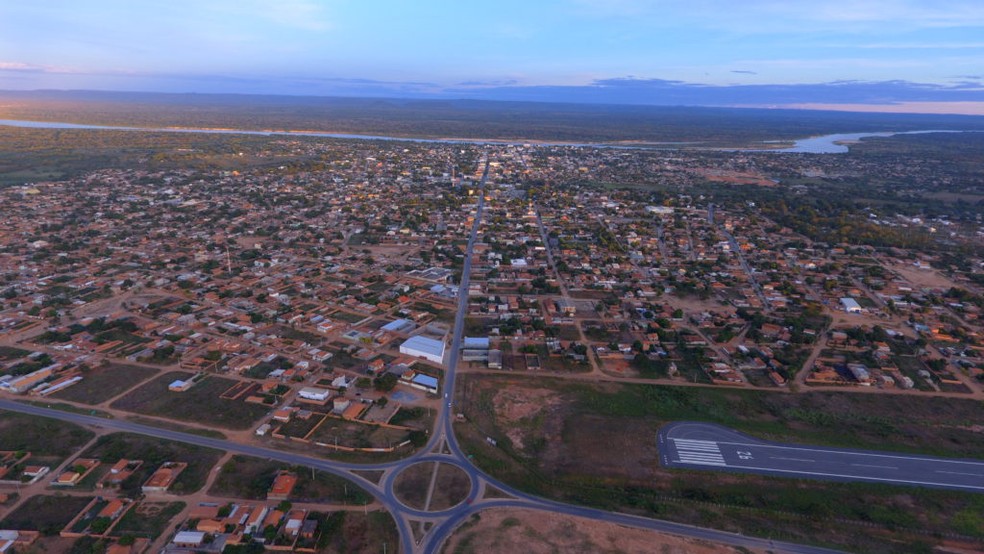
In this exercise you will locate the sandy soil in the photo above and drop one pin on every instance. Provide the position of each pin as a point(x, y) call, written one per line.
point(534, 532)
point(921, 277)
point(516, 406)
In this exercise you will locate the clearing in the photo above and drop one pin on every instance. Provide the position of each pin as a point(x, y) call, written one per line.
point(507, 530)
point(199, 404)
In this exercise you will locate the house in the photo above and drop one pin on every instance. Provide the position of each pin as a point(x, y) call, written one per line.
point(120, 471)
point(283, 485)
point(164, 477)
point(180, 386)
point(340, 404)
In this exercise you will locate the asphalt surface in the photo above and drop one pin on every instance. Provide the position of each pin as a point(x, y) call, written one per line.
point(713, 447)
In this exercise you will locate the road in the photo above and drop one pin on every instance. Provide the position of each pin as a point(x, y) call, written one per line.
point(442, 447)
point(712, 447)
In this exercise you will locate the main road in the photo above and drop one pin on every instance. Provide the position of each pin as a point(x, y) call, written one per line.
point(442, 447)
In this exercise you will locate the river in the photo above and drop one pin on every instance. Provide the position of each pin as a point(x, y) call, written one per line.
point(824, 144)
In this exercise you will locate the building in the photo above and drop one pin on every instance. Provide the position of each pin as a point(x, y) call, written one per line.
point(164, 477)
point(189, 539)
point(424, 382)
point(495, 359)
point(476, 343)
point(314, 394)
point(283, 485)
point(399, 326)
point(851, 305)
point(423, 347)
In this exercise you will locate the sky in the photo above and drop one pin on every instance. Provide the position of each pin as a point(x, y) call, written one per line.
point(897, 55)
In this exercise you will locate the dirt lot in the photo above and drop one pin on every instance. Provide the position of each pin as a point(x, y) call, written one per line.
point(922, 277)
point(101, 384)
point(200, 404)
point(533, 532)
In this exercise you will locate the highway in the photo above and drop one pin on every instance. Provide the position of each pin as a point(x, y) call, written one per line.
point(442, 447)
point(712, 447)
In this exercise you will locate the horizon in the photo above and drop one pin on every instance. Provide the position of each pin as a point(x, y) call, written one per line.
point(895, 56)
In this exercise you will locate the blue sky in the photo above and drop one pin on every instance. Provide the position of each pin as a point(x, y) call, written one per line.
point(712, 52)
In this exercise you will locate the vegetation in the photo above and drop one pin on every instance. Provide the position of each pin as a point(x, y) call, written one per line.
point(592, 422)
point(45, 513)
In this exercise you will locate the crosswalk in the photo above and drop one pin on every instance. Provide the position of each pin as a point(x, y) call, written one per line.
point(691, 451)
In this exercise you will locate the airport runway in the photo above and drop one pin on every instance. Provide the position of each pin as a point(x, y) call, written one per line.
point(708, 446)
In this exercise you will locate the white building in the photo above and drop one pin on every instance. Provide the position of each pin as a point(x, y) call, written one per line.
point(423, 347)
point(315, 394)
point(851, 305)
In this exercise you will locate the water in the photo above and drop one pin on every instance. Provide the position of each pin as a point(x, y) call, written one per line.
point(833, 144)
point(825, 144)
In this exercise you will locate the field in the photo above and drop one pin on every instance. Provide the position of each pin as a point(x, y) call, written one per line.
point(110, 448)
point(451, 488)
point(358, 533)
point(200, 404)
point(47, 514)
point(148, 519)
point(533, 532)
point(595, 445)
point(46, 439)
point(358, 435)
point(246, 477)
point(104, 383)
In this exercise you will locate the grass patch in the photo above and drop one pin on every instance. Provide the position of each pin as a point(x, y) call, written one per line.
point(42, 437)
point(148, 519)
point(45, 513)
point(61, 406)
point(247, 477)
point(358, 533)
point(210, 433)
point(101, 384)
point(200, 403)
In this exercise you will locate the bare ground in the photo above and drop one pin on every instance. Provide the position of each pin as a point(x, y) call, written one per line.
point(534, 532)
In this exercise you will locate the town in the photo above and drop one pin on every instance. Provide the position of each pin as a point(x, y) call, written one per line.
point(310, 307)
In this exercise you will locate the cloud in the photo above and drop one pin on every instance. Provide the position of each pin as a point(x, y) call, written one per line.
point(771, 16)
point(489, 83)
point(921, 46)
point(20, 66)
point(625, 90)
point(744, 72)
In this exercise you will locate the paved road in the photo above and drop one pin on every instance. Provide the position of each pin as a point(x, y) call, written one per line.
point(712, 447)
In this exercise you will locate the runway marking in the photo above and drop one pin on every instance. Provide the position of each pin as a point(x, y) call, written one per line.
point(847, 452)
point(960, 473)
point(873, 465)
point(691, 451)
point(791, 459)
point(859, 478)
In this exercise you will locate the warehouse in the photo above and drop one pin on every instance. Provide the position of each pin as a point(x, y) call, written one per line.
point(423, 347)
